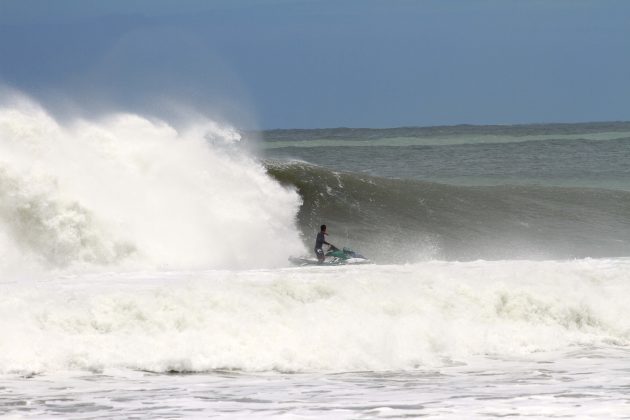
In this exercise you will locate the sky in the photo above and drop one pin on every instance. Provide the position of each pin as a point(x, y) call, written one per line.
point(319, 63)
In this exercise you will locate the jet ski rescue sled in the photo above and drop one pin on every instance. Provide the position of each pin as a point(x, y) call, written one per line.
point(334, 256)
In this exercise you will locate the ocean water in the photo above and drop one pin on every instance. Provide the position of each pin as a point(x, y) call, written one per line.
point(144, 271)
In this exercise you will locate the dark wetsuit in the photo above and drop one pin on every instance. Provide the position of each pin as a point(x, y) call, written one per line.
point(319, 243)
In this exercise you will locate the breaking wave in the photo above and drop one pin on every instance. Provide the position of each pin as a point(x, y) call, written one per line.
point(394, 220)
point(127, 190)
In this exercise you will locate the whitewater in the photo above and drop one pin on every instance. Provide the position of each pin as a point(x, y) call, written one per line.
point(144, 274)
point(128, 189)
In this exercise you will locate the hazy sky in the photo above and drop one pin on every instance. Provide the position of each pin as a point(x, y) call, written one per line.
point(303, 64)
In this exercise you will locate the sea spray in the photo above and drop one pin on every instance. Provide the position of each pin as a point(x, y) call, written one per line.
point(126, 190)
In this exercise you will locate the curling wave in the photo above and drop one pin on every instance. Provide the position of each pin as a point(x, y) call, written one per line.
point(128, 190)
point(394, 220)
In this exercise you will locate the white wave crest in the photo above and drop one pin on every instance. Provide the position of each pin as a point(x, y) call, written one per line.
point(129, 190)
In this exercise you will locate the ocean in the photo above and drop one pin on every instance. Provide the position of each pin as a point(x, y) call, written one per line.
point(145, 273)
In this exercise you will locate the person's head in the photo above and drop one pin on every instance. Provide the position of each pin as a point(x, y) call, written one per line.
point(322, 228)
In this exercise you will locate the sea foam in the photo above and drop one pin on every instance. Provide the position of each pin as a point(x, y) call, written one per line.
point(321, 319)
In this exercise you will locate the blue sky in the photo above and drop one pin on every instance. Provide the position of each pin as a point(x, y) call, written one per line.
point(306, 64)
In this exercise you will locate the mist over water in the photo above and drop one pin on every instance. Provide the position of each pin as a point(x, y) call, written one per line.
point(126, 190)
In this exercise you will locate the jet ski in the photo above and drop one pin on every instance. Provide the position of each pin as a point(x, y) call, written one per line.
point(334, 256)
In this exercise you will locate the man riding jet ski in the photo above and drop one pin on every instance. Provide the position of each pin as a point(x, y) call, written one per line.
point(333, 256)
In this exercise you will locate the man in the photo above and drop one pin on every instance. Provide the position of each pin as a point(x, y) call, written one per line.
point(319, 243)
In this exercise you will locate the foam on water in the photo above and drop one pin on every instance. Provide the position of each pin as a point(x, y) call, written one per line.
point(318, 319)
point(128, 190)
point(583, 385)
point(154, 249)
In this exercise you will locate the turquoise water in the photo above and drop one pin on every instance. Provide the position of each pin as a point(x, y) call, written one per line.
point(576, 156)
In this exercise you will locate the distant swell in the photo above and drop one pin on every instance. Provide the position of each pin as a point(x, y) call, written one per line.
point(394, 220)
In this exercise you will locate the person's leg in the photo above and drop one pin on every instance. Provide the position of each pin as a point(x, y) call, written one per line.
point(320, 255)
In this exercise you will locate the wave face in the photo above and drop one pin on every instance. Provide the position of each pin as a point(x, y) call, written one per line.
point(314, 319)
point(393, 220)
point(129, 191)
